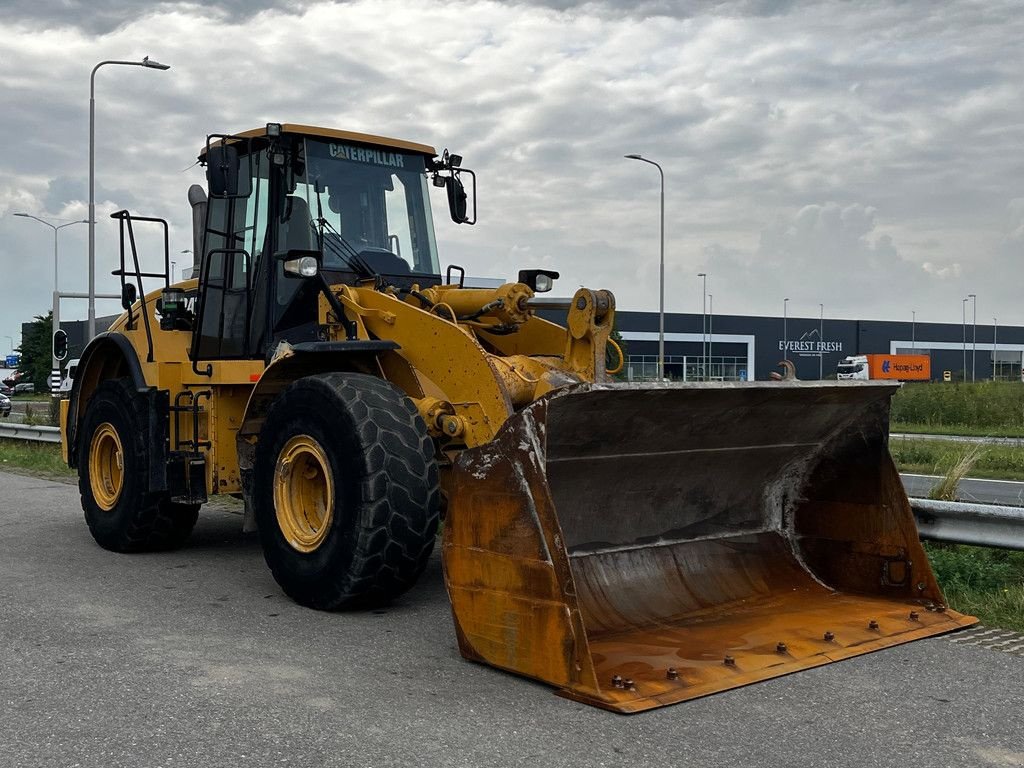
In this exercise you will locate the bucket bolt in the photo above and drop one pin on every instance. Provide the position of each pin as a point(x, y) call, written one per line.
point(872, 624)
point(781, 648)
point(829, 637)
point(940, 608)
point(914, 616)
point(628, 685)
point(617, 681)
point(729, 661)
point(672, 673)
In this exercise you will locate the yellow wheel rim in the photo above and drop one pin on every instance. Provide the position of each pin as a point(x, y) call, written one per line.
point(106, 466)
point(303, 493)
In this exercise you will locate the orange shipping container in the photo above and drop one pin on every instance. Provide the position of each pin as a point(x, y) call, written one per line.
point(900, 367)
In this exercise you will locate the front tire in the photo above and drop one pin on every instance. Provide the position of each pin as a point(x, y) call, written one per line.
point(121, 512)
point(346, 491)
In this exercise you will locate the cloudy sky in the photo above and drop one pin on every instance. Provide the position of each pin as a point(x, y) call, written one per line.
point(868, 156)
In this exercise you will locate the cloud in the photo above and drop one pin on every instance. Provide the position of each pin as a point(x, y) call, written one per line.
point(862, 156)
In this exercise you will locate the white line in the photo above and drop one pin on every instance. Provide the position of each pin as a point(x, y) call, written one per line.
point(1013, 639)
point(971, 633)
point(987, 642)
point(972, 479)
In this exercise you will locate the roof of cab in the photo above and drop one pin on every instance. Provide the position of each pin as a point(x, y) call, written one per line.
point(333, 133)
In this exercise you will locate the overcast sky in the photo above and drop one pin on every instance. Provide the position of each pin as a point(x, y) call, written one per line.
point(867, 156)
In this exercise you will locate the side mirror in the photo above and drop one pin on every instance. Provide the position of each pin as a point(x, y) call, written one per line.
point(60, 344)
point(222, 170)
point(457, 199)
point(128, 295)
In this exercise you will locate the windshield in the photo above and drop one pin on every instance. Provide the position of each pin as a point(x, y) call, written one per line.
point(855, 368)
point(374, 201)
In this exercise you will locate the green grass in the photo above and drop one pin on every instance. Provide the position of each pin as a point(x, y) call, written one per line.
point(957, 429)
point(982, 582)
point(984, 407)
point(938, 457)
point(37, 459)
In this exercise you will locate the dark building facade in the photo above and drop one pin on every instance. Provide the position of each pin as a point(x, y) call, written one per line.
point(747, 348)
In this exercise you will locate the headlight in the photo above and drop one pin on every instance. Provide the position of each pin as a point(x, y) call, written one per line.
point(304, 266)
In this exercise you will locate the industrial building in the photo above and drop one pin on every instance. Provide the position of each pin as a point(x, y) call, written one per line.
point(747, 348)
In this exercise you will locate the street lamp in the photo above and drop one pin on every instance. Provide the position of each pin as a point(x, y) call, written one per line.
point(913, 329)
point(821, 341)
point(711, 327)
point(995, 346)
point(661, 275)
point(704, 325)
point(150, 64)
point(963, 320)
point(974, 342)
point(785, 334)
point(55, 320)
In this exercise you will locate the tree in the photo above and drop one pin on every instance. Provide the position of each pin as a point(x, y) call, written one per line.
point(36, 353)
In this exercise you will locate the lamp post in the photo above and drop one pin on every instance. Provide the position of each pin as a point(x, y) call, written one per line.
point(913, 329)
point(995, 346)
point(150, 64)
point(711, 327)
point(785, 334)
point(963, 321)
point(661, 273)
point(821, 341)
point(704, 325)
point(55, 320)
point(974, 334)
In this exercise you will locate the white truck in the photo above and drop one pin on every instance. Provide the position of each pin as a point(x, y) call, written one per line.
point(853, 367)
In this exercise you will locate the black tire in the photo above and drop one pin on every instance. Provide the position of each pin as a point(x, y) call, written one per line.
point(137, 519)
point(381, 530)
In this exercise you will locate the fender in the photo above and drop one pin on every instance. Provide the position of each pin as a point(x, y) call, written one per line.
point(111, 356)
point(304, 359)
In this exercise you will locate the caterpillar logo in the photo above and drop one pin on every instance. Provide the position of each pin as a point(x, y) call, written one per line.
point(366, 155)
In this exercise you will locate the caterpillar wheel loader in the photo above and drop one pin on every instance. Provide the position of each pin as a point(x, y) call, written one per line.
point(632, 545)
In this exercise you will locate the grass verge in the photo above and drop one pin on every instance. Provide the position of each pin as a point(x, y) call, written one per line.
point(970, 430)
point(939, 457)
point(37, 459)
point(982, 582)
point(984, 407)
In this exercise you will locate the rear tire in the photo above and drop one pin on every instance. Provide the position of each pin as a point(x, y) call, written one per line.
point(121, 512)
point(346, 491)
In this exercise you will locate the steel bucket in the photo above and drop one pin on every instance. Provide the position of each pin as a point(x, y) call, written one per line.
point(642, 546)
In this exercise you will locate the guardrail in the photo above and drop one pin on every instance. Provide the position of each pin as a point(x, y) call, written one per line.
point(26, 432)
point(987, 525)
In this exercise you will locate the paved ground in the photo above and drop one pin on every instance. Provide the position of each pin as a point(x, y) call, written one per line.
point(194, 658)
point(1009, 493)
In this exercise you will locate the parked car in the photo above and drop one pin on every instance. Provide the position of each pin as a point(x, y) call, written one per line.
point(5, 405)
point(6, 390)
point(25, 388)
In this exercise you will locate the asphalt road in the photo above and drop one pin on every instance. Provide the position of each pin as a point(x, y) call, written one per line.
point(194, 658)
point(1009, 493)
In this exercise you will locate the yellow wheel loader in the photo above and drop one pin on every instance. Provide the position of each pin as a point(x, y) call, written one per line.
point(633, 545)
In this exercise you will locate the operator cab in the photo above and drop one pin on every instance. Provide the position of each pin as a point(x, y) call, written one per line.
point(358, 203)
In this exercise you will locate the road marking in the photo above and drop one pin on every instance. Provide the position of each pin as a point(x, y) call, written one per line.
point(1002, 640)
point(972, 479)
